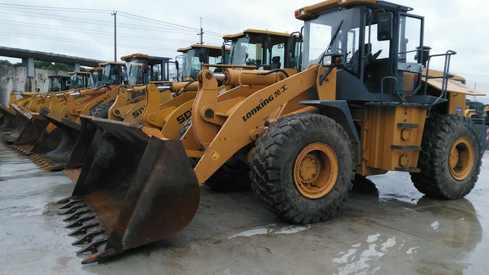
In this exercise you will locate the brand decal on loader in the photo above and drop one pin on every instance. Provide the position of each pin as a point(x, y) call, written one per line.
point(265, 102)
point(184, 117)
point(138, 112)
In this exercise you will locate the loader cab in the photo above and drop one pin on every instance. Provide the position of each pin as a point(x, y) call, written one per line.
point(265, 49)
point(80, 80)
point(197, 55)
point(377, 45)
point(58, 83)
point(95, 76)
point(112, 73)
point(143, 69)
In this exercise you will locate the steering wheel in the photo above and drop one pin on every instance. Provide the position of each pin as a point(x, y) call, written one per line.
point(376, 55)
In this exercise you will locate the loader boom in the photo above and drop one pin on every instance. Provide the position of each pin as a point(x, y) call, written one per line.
point(243, 122)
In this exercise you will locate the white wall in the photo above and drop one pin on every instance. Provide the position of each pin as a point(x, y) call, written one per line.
point(13, 78)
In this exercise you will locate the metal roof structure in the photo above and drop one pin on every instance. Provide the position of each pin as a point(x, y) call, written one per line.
point(48, 57)
point(255, 31)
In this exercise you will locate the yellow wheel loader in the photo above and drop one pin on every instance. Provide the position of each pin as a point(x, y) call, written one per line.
point(61, 117)
point(27, 100)
point(170, 115)
point(129, 138)
point(142, 69)
point(29, 123)
point(361, 106)
point(33, 104)
point(131, 102)
point(7, 113)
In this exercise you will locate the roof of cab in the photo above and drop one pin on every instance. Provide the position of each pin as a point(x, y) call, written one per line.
point(254, 31)
point(142, 56)
point(310, 12)
point(110, 63)
point(197, 46)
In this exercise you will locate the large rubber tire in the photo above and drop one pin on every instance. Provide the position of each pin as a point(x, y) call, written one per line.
point(272, 166)
point(102, 109)
point(435, 179)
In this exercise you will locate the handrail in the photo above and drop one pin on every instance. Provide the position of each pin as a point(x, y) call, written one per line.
point(446, 73)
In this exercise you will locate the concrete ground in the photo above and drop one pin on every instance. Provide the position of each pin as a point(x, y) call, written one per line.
point(393, 231)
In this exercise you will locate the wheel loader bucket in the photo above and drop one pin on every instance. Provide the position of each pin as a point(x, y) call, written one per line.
point(48, 141)
point(88, 131)
point(6, 118)
point(26, 136)
point(20, 121)
point(57, 158)
point(133, 190)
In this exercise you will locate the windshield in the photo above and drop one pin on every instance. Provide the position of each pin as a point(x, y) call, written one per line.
point(318, 35)
point(54, 84)
point(138, 73)
point(245, 53)
point(57, 84)
point(192, 64)
point(112, 74)
point(96, 78)
point(77, 81)
point(262, 51)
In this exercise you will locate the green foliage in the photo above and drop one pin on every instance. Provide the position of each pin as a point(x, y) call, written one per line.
point(53, 66)
point(5, 63)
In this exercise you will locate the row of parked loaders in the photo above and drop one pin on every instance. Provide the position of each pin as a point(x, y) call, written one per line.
point(299, 118)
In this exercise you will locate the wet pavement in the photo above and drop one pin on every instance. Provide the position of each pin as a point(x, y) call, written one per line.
point(392, 231)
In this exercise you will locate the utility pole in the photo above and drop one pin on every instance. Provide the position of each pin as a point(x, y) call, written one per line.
point(201, 34)
point(115, 35)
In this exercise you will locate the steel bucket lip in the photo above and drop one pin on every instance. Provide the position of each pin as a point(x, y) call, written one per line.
point(19, 122)
point(142, 210)
point(64, 123)
point(119, 129)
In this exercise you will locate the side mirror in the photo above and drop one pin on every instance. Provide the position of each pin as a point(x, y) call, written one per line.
point(385, 27)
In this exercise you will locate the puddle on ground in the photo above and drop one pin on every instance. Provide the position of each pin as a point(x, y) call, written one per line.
point(271, 229)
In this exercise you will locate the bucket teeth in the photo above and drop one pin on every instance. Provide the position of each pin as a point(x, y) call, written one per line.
point(77, 214)
point(71, 203)
point(80, 221)
point(93, 247)
point(73, 209)
point(65, 200)
point(89, 237)
point(84, 229)
point(90, 259)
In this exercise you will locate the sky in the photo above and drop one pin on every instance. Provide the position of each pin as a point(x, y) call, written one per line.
point(459, 25)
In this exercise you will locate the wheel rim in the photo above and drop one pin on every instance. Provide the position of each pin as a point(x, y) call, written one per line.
point(316, 170)
point(461, 160)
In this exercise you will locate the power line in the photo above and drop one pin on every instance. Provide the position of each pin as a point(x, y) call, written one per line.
point(144, 18)
point(39, 7)
point(63, 22)
point(98, 23)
